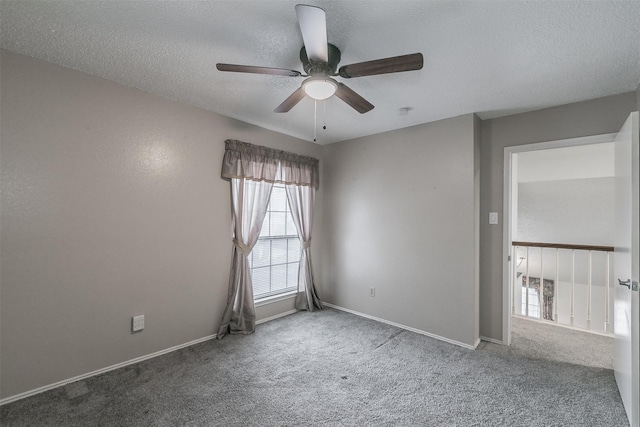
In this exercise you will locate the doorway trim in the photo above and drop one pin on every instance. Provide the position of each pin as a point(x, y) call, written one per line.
point(507, 208)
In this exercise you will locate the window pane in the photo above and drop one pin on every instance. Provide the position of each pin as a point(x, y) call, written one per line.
point(261, 280)
point(278, 277)
point(294, 249)
point(264, 231)
point(261, 253)
point(291, 227)
point(278, 199)
point(292, 275)
point(277, 223)
point(279, 251)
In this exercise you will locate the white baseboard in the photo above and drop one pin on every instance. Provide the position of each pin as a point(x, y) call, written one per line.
point(277, 316)
point(210, 337)
point(103, 370)
point(123, 364)
point(408, 328)
point(492, 340)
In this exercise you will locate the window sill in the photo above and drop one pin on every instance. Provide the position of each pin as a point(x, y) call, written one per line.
point(274, 298)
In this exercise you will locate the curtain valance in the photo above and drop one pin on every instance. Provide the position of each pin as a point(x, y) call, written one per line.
point(258, 163)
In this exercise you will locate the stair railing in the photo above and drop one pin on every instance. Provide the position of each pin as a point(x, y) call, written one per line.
point(548, 289)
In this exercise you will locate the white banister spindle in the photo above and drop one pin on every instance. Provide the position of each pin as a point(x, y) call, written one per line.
point(589, 293)
point(514, 264)
point(573, 285)
point(541, 293)
point(556, 286)
point(606, 299)
point(526, 304)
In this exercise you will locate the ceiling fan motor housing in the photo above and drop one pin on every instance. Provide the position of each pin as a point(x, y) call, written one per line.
point(314, 68)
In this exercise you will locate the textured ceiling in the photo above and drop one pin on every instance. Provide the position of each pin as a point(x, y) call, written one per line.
point(489, 57)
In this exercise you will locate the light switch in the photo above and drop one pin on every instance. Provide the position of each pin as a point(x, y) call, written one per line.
point(493, 218)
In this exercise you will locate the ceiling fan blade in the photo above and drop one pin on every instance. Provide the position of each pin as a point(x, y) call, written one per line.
point(354, 100)
point(313, 26)
point(257, 70)
point(394, 64)
point(291, 101)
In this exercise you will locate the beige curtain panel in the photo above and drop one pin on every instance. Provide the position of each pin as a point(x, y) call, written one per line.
point(301, 200)
point(258, 163)
point(249, 201)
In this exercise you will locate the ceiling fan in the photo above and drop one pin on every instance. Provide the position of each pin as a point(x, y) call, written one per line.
point(320, 61)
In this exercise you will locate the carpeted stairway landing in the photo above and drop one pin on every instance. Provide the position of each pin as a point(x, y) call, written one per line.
point(332, 368)
point(546, 341)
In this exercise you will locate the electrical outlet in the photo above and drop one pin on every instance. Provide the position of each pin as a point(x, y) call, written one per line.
point(372, 292)
point(137, 323)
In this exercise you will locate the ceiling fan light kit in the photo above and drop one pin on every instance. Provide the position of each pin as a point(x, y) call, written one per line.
point(319, 88)
point(320, 61)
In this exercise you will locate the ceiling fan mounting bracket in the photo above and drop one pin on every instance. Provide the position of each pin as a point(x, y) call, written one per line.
point(316, 68)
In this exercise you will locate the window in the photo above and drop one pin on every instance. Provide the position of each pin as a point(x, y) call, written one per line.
point(275, 258)
point(534, 303)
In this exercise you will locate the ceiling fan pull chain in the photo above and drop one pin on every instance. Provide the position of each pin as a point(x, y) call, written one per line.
point(315, 119)
point(324, 114)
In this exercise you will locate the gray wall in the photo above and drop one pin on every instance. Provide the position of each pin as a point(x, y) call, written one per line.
point(399, 216)
point(578, 211)
point(112, 205)
point(593, 117)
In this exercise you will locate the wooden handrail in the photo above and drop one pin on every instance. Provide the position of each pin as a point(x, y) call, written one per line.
point(565, 246)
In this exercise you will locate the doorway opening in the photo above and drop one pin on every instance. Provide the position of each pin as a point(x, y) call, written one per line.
point(558, 237)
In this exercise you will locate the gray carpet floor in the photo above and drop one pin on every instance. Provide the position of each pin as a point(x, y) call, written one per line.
point(332, 368)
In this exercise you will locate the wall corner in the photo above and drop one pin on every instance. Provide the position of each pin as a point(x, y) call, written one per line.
point(477, 147)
